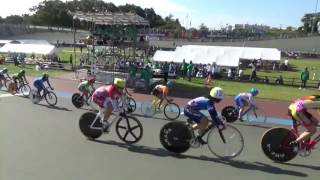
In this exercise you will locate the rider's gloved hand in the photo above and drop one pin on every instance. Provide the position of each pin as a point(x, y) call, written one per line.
point(129, 110)
point(52, 88)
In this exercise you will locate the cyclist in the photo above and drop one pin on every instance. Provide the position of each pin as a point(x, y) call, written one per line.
point(244, 99)
point(106, 98)
point(84, 87)
point(161, 92)
point(298, 110)
point(192, 111)
point(20, 77)
point(3, 74)
point(39, 83)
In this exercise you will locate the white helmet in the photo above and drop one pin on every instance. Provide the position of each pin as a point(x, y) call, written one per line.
point(217, 93)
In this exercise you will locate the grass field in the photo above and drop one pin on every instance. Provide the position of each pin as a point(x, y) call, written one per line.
point(31, 71)
point(232, 88)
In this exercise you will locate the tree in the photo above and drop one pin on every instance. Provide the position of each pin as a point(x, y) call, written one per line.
point(14, 19)
point(203, 30)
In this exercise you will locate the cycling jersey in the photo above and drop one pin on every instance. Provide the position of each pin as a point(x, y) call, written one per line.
point(39, 83)
point(300, 106)
point(84, 86)
point(160, 90)
point(244, 98)
point(105, 94)
point(192, 110)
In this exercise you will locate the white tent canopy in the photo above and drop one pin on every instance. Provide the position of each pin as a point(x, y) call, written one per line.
point(163, 56)
point(28, 46)
point(221, 55)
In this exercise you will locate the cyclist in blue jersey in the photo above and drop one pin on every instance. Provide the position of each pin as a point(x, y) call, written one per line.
point(38, 83)
point(3, 74)
point(244, 99)
point(192, 111)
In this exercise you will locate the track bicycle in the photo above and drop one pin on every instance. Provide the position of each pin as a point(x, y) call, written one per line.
point(275, 143)
point(21, 87)
point(170, 110)
point(178, 137)
point(49, 96)
point(128, 128)
point(250, 115)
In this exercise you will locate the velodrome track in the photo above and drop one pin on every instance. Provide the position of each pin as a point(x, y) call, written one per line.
point(39, 142)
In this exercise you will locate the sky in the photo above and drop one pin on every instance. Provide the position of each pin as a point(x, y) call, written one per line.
point(213, 13)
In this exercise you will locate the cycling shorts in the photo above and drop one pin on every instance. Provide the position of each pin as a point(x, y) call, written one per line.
point(38, 84)
point(303, 115)
point(194, 116)
point(240, 102)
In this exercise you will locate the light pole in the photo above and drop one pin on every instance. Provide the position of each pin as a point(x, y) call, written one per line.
point(314, 18)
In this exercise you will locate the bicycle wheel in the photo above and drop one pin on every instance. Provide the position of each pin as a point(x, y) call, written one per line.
point(261, 116)
point(171, 111)
point(129, 129)
point(132, 104)
point(175, 137)
point(34, 96)
point(148, 109)
point(7, 82)
point(25, 90)
point(230, 113)
point(51, 98)
point(77, 100)
point(227, 143)
point(12, 88)
point(275, 144)
point(85, 122)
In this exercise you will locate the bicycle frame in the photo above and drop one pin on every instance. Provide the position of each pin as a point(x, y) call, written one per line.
point(101, 115)
point(309, 144)
point(155, 102)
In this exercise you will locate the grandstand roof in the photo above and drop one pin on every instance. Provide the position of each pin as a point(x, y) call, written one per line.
point(111, 18)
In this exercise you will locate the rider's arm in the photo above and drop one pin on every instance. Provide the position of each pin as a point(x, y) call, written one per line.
point(25, 79)
point(49, 84)
point(127, 92)
point(8, 76)
point(214, 115)
point(252, 102)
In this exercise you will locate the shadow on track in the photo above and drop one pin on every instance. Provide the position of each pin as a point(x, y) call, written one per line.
point(263, 126)
point(55, 107)
point(303, 166)
point(255, 166)
point(154, 117)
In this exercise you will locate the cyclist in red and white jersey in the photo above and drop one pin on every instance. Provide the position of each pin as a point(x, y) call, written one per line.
point(106, 97)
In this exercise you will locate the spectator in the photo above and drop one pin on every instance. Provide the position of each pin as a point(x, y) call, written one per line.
point(146, 75)
point(229, 73)
point(184, 69)
point(279, 80)
point(165, 70)
point(266, 79)
point(286, 64)
point(189, 70)
point(304, 78)
point(274, 66)
point(240, 74)
point(70, 59)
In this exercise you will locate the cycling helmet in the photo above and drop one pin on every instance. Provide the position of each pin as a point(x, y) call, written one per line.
point(217, 93)
point(254, 91)
point(119, 82)
point(4, 70)
point(92, 80)
point(22, 71)
point(45, 76)
point(170, 84)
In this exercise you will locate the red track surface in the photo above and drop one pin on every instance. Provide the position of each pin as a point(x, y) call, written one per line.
point(273, 108)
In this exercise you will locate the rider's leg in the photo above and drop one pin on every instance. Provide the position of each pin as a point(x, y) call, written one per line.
point(107, 111)
point(311, 127)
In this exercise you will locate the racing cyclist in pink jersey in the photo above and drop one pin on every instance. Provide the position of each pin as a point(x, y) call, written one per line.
point(298, 110)
point(106, 98)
